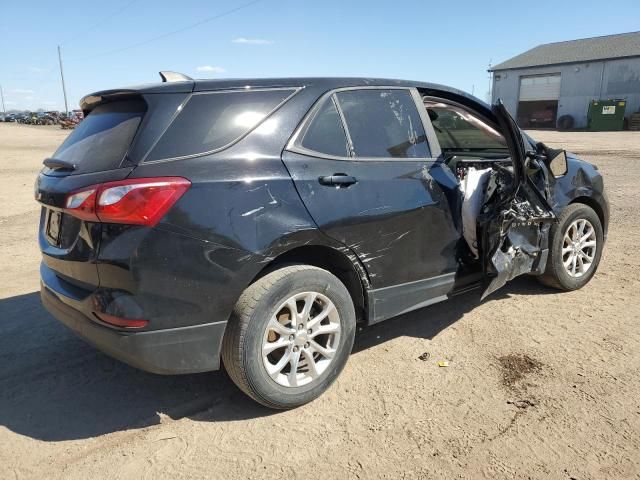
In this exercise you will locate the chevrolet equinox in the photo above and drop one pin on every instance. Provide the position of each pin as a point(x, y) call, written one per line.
point(255, 222)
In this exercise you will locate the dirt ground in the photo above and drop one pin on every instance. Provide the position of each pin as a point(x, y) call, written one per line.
point(540, 384)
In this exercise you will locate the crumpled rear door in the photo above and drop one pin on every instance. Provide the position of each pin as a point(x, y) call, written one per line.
point(516, 216)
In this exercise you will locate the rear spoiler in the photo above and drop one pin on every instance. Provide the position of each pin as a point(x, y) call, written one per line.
point(172, 82)
point(90, 102)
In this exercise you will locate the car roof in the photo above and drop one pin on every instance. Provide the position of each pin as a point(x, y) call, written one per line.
point(324, 83)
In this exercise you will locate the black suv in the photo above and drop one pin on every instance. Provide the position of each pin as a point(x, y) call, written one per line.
point(257, 221)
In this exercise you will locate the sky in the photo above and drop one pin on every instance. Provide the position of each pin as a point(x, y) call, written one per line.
point(126, 42)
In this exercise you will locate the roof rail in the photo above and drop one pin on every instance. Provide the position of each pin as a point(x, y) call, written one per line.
point(168, 76)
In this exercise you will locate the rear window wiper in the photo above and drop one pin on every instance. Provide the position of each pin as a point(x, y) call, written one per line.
point(57, 164)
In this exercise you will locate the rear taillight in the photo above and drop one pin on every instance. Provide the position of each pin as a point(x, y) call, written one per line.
point(137, 201)
point(82, 204)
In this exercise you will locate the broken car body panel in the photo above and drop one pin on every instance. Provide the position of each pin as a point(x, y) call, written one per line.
point(516, 218)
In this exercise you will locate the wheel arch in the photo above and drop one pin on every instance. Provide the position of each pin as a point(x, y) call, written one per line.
point(332, 260)
point(595, 206)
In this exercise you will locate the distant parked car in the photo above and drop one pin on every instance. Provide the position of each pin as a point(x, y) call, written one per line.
point(24, 117)
point(544, 117)
point(254, 222)
point(69, 121)
point(45, 118)
point(33, 118)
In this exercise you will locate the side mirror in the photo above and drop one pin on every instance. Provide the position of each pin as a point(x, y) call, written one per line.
point(558, 162)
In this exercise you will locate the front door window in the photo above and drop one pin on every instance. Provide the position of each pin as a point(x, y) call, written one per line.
point(383, 123)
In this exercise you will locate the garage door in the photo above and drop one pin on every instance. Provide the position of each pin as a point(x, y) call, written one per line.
point(539, 87)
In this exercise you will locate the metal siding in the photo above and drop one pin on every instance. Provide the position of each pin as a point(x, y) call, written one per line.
point(581, 83)
point(621, 80)
point(584, 50)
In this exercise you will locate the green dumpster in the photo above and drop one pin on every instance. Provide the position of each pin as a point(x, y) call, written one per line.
point(606, 115)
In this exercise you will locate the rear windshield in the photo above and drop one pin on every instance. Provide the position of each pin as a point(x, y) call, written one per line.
point(102, 139)
point(210, 121)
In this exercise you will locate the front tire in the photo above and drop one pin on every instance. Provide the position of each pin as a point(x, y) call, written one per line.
point(289, 336)
point(575, 248)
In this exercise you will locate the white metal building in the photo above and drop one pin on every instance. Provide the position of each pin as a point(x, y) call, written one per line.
point(555, 80)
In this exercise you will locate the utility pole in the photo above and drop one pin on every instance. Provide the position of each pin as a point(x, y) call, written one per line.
point(64, 89)
point(489, 95)
point(2, 96)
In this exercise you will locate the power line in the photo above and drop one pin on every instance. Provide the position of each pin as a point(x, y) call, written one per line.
point(102, 21)
point(93, 27)
point(174, 32)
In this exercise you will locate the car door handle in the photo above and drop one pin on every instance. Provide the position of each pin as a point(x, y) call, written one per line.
point(338, 179)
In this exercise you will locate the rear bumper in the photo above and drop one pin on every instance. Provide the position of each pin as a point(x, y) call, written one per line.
point(181, 350)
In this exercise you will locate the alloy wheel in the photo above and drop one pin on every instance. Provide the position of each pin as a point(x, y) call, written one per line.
point(579, 247)
point(301, 339)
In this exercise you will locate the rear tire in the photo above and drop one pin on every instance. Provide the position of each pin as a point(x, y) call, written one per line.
point(263, 319)
point(575, 221)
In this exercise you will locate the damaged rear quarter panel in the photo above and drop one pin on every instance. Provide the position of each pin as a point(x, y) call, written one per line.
point(241, 212)
point(239, 217)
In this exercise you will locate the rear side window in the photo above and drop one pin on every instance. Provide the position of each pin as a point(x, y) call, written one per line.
point(384, 123)
point(325, 133)
point(210, 121)
point(102, 139)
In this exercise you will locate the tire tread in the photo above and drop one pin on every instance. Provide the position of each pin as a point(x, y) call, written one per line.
point(551, 278)
point(233, 342)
